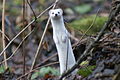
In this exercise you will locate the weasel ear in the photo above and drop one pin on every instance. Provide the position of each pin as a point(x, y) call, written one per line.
point(50, 12)
point(61, 10)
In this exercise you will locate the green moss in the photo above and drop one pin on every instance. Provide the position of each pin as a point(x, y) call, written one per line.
point(84, 72)
point(2, 69)
point(17, 2)
point(14, 11)
point(84, 8)
point(44, 71)
point(84, 23)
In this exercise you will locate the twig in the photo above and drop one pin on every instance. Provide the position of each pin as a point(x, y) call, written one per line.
point(91, 24)
point(40, 43)
point(18, 47)
point(23, 49)
point(5, 35)
point(36, 69)
point(91, 45)
point(3, 30)
point(28, 12)
point(117, 76)
point(24, 29)
point(31, 9)
point(88, 28)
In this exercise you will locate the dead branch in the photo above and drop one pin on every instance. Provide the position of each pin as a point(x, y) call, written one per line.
point(3, 30)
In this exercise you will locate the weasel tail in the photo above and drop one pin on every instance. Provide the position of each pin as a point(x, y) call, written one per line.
point(62, 41)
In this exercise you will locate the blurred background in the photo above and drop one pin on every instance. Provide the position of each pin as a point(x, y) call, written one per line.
point(78, 15)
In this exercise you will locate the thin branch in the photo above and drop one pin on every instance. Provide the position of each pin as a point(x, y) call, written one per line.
point(24, 29)
point(18, 47)
point(40, 43)
point(23, 49)
point(117, 76)
point(5, 35)
point(91, 45)
point(93, 22)
point(3, 30)
point(31, 9)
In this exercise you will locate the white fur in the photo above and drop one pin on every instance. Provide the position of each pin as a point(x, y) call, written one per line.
point(61, 39)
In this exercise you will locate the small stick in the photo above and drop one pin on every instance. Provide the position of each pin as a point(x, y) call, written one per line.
point(29, 9)
point(23, 49)
point(93, 22)
point(3, 30)
point(28, 2)
point(5, 35)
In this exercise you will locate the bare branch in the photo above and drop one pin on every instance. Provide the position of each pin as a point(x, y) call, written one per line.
point(3, 32)
point(5, 35)
point(31, 9)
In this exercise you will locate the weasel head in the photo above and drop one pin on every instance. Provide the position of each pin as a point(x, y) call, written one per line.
point(56, 13)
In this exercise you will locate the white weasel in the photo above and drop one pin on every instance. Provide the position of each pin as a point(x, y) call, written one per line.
point(62, 41)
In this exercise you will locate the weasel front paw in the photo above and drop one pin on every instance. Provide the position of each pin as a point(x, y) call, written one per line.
point(64, 38)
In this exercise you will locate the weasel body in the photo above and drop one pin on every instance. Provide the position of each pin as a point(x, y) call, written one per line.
point(62, 41)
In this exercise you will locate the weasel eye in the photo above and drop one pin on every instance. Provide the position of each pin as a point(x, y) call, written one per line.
point(53, 13)
point(58, 12)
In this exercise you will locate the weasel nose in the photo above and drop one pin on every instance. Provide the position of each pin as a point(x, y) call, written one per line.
point(55, 14)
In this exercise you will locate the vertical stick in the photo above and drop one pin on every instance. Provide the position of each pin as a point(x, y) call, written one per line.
point(23, 49)
point(3, 30)
point(28, 14)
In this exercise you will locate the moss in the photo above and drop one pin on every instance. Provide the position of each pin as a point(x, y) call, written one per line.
point(2, 69)
point(84, 23)
point(14, 11)
point(84, 8)
point(86, 71)
point(17, 2)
